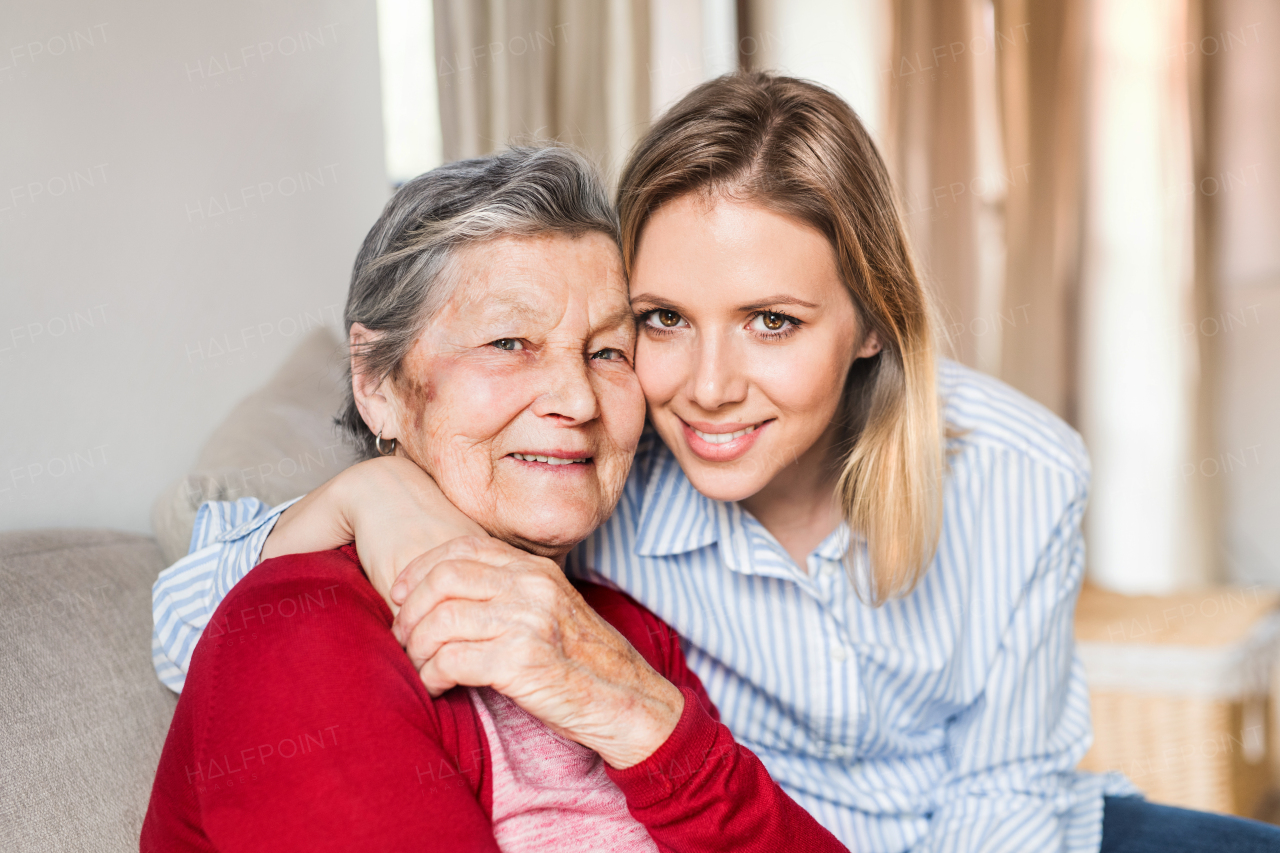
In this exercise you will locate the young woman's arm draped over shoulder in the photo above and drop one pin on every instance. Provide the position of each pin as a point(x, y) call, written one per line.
point(231, 537)
point(701, 790)
point(303, 727)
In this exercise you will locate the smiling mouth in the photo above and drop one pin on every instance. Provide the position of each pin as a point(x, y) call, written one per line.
point(550, 460)
point(721, 445)
point(724, 437)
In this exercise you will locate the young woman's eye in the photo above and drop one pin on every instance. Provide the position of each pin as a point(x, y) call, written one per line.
point(609, 355)
point(772, 323)
point(508, 344)
point(663, 319)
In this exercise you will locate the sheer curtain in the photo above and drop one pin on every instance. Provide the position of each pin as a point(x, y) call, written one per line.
point(1041, 147)
point(1140, 375)
point(1041, 80)
point(589, 73)
point(945, 148)
point(513, 71)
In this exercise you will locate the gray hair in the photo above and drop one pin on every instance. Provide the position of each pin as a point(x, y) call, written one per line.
point(399, 279)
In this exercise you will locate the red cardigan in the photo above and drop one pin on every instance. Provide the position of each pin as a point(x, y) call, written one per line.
point(302, 725)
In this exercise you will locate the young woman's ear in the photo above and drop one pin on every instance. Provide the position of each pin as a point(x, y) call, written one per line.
point(870, 345)
point(373, 395)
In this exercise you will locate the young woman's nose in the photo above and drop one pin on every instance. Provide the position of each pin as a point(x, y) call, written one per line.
point(565, 390)
point(717, 379)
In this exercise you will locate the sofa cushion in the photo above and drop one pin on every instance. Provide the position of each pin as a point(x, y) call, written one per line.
point(278, 443)
point(83, 717)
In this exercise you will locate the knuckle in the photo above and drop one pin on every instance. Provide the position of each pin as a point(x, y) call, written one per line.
point(448, 617)
point(541, 587)
point(467, 546)
point(448, 661)
point(416, 647)
point(419, 566)
point(547, 628)
point(447, 574)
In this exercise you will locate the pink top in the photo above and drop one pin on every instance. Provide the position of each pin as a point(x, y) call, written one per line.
point(550, 793)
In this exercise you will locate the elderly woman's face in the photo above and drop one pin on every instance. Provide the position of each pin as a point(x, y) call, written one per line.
point(519, 398)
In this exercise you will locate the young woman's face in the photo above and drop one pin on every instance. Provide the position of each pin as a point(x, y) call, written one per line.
point(746, 336)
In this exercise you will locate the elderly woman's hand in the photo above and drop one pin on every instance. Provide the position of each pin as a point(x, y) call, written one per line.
point(479, 612)
point(388, 506)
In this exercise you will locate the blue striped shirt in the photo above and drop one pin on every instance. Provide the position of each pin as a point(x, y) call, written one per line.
point(951, 719)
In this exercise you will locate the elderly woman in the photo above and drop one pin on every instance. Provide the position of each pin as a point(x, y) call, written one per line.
point(491, 333)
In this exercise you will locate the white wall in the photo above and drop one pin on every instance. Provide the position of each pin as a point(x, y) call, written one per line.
point(690, 42)
point(842, 44)
point(182, 191)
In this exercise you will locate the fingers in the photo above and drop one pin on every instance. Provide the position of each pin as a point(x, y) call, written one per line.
point(491, 551)
point(484, 663)
point(451, 579)
point(454, 621)
point(454, 665)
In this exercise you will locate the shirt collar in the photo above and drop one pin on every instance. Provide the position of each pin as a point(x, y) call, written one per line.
point(836, 545)
point(675, 518)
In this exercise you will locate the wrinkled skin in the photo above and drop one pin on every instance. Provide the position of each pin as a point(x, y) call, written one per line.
point(529, 356)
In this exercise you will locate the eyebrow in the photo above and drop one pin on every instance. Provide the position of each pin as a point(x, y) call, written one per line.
point(771, 301)
point(759, 305)
point(621, 317)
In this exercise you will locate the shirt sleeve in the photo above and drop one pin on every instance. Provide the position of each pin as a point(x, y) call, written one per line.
point(1012, 752)
point(226, 541)
point(701, 790)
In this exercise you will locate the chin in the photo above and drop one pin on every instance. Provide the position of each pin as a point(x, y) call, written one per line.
point(727, 488)
point(732, 482)
point(553, 529)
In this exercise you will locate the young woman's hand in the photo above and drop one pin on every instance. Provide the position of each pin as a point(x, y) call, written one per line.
point(388, 506)
point(481, 613)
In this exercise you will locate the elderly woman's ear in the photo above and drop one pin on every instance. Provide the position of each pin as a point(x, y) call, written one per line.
point(373, 394)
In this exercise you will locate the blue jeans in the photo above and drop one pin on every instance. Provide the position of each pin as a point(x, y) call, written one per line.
point(1133, 825)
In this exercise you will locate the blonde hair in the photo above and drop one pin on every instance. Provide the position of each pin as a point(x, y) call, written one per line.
point(798, 149)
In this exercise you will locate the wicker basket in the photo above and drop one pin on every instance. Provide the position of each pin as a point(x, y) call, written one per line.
point(1180, 689)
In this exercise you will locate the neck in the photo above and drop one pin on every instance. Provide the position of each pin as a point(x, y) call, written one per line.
point(558, 555)
point(799, 506)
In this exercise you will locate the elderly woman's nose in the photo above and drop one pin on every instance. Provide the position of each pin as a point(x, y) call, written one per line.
point(566, 390)
point(717, 378)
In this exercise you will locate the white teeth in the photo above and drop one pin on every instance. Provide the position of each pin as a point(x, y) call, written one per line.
point(723, 437)
point(550, 460)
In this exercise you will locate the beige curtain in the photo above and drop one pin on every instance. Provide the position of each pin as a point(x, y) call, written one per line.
point(1040, 79)
point(933, 148)
point(1066, 258)
point(1140, 387)
point(513, 71)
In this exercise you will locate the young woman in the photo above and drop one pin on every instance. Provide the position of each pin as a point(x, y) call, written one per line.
point(872, 554)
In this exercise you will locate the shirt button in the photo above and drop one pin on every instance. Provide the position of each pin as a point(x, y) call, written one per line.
point(841, 751)
point(828, 570)
point(840, 653)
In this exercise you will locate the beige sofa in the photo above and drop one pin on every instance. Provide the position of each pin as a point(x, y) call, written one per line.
point(82, 715)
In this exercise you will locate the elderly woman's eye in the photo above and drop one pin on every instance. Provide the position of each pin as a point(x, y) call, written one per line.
point(662, 318)
point(509, 344)
point(608, 355)
point(770, 322)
